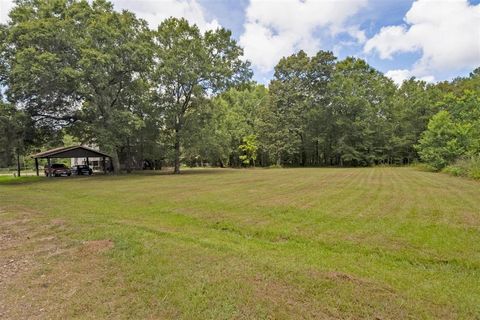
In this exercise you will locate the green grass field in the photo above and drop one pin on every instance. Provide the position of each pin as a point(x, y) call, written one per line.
point(386, 243)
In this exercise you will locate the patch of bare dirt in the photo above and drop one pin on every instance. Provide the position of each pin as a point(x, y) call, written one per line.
point(282, 239)
point(358, 282)
point(58, 222)
point(470, 219)
point(12, 266)
point(96, 246)
point(343, 277)
point(379, 241)
point(23, 244)
point(44, 275)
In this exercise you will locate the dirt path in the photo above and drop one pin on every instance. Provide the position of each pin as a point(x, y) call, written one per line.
point(42, 273)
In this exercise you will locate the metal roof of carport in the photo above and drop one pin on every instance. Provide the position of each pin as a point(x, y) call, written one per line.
point(71, 152)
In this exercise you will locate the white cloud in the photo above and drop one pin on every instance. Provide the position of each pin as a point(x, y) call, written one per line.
point(155, 11)
point(447, 33)
point(5, 6)
point(274, 29)
point(400, 75)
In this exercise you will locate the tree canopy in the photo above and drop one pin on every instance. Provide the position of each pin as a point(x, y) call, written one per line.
point(178, 95)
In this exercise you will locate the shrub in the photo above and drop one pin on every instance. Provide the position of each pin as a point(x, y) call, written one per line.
point(455, 170)
point(467, 167)
point(441, 143)
point(475, 167)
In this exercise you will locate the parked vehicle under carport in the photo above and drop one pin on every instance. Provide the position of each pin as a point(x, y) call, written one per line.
point(81, 170)
point(57, 170)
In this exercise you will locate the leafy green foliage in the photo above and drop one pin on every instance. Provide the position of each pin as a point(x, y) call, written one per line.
point(178, 94)
point(249, 149)
point(298, 95)
point(74, 62)
point(454, 132)
point(191, 65)
point(328, 112)
point(236, 114)
point(466, 166)
point(440, 144)
point(11, 134)
point(41, 59)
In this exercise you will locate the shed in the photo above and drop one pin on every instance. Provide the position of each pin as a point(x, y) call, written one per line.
point(70, 152)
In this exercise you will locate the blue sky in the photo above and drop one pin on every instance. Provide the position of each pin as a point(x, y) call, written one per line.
point(370, 18)
point(432, 40)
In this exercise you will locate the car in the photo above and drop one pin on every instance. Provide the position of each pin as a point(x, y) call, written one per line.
point(57, 169)
point(82, 170)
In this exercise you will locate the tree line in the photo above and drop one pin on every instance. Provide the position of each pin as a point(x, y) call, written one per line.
point(178, 95)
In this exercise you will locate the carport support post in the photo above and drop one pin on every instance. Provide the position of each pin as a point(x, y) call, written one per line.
point(104, 165)
point(36, 166)
point(49, 168)
point(88, 163)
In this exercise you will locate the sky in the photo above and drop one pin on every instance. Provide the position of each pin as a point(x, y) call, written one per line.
point(432, 40)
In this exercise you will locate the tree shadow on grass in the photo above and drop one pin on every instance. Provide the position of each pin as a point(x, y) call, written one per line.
point(195, 171)
point(169, 172)
point(135, 175)
point(11, 180)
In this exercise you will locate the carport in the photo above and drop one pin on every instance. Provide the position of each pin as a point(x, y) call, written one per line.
point(71, 152)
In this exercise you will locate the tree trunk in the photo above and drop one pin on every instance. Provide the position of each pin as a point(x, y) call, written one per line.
point(116, 162)
point(142, 153)
point(303, 153)
point(18, 163)
point(129, 157)
point(176, 169)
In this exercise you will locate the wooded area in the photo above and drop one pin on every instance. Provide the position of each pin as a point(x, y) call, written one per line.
point(177, 95)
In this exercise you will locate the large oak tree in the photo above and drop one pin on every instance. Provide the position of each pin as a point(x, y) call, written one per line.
point(190, 66)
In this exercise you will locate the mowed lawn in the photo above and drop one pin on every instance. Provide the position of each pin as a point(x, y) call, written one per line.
point(386, 243)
